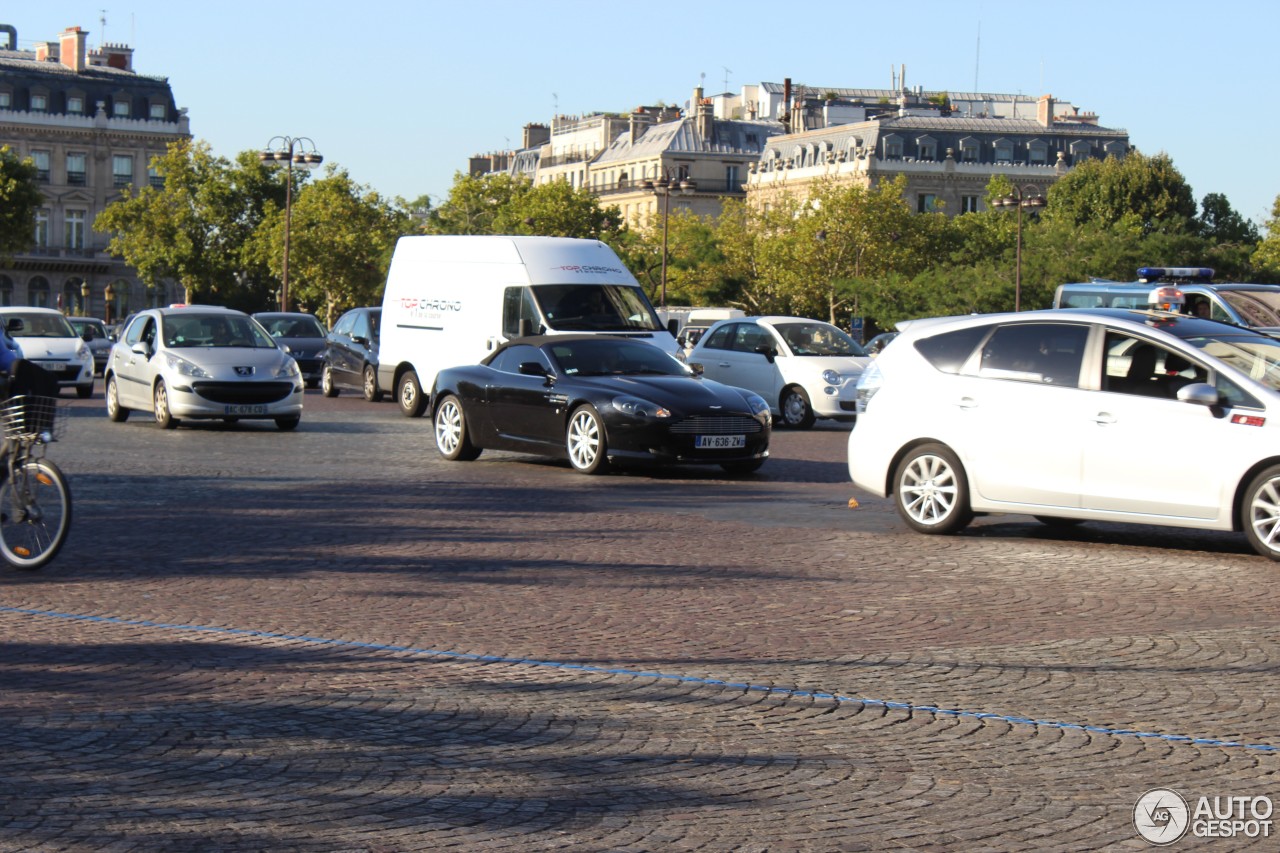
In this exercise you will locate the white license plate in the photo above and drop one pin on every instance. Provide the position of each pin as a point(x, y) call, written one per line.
point(708, 442)
point(245, 410)
point(53, 366)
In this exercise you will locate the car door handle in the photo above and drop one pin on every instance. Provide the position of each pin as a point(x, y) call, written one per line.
point(1104, 418)
point(725, 364)
point(967, 403)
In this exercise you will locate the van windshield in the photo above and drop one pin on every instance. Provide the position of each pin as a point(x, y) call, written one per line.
point(596, 308)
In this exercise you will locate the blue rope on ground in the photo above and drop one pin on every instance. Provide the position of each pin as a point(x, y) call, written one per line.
point(631, 673)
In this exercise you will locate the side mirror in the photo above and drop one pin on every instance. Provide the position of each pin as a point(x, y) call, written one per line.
point(673, 326)
point(526, 328)
point(87, 335)
point(1199, 394)
point(533, 368)
point(360, 339)
point(141, 349)
point(697, 368)
point(768, 352)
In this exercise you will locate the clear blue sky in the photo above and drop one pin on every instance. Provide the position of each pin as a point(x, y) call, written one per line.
point(402, 93)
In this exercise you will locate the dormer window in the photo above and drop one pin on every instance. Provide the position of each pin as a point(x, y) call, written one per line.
point(1004, 151)
point(969, 150)
point(6, 100)
point(39, 102)
point(75, 104)
point(1081, 151)
point(893, 147)
point(157, 111)
point(120, 109)
point(926, 148)
point(1037, 152)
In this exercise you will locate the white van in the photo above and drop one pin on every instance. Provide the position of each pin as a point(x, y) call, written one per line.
point(452, 300)
point(700, 319)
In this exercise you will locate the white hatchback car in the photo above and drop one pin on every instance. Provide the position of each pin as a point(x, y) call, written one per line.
point(47, 339)
point(806, 369)
point(1071, 415)
point(201, 362)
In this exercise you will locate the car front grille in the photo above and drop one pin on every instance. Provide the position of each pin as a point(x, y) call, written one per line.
point(243, 392)
point(726, 425)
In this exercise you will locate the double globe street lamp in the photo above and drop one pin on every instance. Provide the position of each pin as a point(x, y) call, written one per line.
point(291, 150)
point(1029, 202)
point(665, 188)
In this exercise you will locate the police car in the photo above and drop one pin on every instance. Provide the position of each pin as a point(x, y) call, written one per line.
point(1255, 305)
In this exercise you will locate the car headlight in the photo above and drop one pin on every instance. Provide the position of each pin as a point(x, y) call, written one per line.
point(288, 370)
point(638, 408)
point(757, 404)
point(182, 367)
point(869, 383)
point(82, 353)
point(831, 377)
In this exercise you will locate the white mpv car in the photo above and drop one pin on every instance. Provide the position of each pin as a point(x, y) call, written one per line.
point(806, 369)
point(1075, 415)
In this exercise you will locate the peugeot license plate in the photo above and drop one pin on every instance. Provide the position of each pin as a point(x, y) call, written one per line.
point(244, 410)
point(53, 366)
point(728, 442)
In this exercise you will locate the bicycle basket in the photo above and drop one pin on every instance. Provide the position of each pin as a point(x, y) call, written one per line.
point(29, 416)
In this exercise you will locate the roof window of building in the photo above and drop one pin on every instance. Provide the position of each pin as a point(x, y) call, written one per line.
point(926, 148)
point(1081, 151)
point(120, 108)
point(1004, 150)
point(1038, 152)
point(6, 99)
point(157, 111)
point(75, 104)
point(39, 102)
point(893, 147)
point(969, 149)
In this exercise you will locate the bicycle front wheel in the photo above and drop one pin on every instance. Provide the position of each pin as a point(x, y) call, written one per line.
point(35, 514)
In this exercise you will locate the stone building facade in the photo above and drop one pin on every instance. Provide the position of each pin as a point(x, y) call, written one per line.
point(92, 125)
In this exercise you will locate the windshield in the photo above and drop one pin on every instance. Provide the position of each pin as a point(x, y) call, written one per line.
point(596, 308)
point(41, 325)
point(1255, 356)
point(293, 327)
point(612, 357)
point(214, 330)
point(1255, 307)
point(815, 338)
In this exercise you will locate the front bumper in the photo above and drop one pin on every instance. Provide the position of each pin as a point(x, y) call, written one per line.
point(246, 400)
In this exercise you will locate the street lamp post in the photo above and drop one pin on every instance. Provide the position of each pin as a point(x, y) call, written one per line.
point(84, 299)
point(1018, 201)
point(291, 150)
point(664, 189)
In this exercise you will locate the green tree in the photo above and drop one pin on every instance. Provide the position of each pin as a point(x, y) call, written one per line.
point(1148, 193)
point(191, 229)
point(341, 239)
point(1267, 256)
point(474, 204)
point(1221, 223)
point(20, 198)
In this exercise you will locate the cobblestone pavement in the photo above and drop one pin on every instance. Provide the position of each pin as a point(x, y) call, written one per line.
point(331, 640)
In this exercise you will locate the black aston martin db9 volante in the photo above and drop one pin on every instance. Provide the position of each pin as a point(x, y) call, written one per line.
point(596, 400)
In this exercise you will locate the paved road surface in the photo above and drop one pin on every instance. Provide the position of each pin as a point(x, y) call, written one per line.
point(330, 640)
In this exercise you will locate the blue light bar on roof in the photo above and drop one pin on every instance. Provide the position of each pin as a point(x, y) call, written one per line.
point(1151, 274)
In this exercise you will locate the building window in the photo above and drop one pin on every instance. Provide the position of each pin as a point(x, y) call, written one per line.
point(1081, 151)
point(41, 159)
point(926, 203)
point(39, 103)
point(732, 178)
point(6, 100)
point(1004, 151)
point(968, 204)
point(38, 292)
point(1037, 152)
point(75, 104)
point(120, 109)
point(121, 170)
point(6, 290)
point(75, 169)
point(893, 147)
point(154, 178)
point(926, 148)
point(157, 111)
point(42, 229)
point(75, 229)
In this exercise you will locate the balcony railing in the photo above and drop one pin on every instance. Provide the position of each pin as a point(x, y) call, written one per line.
point(637, 187)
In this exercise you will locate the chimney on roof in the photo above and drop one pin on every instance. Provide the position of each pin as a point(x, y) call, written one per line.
point(113, 56)
point(46, 50)
point(71, 48)
point(703, 117)
point(13, 35)
point(1044, 110)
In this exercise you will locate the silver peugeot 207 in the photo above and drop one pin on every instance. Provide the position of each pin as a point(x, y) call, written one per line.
point(201, 362)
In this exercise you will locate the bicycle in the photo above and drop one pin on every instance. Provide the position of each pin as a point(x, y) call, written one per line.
point(35, 500)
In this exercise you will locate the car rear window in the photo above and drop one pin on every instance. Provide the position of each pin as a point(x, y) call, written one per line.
point(949, 350)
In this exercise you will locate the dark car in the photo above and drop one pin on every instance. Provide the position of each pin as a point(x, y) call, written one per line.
point(351, 354)
point(94, 333)
point(302, 336)
point(597, 400)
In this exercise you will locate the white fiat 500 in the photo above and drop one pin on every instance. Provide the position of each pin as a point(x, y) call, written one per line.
point(201, 362)
point(1075, 415)
point(806, 369)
